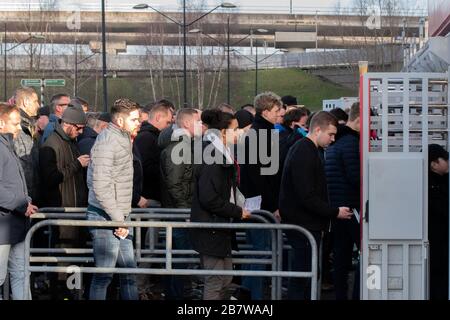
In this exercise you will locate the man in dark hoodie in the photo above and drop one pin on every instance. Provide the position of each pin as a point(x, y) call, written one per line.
point(343, 180)
point(304, 197)
point(160, 117)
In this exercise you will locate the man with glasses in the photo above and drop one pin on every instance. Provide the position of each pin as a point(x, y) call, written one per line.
point(61, 165)
point(62, 179)
point(58, 104)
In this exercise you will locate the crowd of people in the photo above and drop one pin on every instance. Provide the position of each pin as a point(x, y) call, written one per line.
point(64, 155)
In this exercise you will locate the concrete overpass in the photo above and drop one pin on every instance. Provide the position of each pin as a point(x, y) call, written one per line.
point(124, 65)
point(298, 31)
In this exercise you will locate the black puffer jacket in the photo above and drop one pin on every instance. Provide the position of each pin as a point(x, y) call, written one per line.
point(147, 144)
point(176, 178)
point(211, 203)
point(342, 169)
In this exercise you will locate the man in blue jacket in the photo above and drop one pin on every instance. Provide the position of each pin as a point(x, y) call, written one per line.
point(15, 204)
point(343, 179)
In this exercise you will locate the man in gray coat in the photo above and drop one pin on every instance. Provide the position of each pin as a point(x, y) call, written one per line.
point(110, 183)
point(15, 204)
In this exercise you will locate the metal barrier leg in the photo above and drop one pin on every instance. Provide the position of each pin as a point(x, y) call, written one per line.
point(274, 247)
point(279, 292)
point(138, 242)
point(319, 280)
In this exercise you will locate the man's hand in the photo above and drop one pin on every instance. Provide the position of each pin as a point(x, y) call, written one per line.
point(344, 213)
point(121, 232)
point(277, 216)
point(84, 160)
point(245, 214)
point(143, 203)
point(31, 209)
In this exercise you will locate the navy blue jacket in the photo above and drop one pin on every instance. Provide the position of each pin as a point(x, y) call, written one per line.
point(342, 169)
point(86, 140)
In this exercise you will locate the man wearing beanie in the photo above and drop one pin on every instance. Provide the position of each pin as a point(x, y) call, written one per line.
point(61, 163)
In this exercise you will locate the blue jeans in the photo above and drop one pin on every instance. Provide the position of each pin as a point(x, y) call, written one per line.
point(12, 259)
point(260, 241)
point(110, 251)
point(300, 288)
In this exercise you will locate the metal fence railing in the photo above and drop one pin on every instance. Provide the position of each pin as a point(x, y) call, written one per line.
point(170, 257)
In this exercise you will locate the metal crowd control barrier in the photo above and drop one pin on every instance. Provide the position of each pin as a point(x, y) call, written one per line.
point(161, 213)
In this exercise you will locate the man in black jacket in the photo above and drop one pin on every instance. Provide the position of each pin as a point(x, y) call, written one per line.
point(304, 197)
point(343, 180)
point(160, 117)
point(438, 209)
point(15, 204)
point(177, 183)
point(254, 182)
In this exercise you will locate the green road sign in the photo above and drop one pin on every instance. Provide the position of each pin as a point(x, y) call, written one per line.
point(55, 82)
point(31, 82)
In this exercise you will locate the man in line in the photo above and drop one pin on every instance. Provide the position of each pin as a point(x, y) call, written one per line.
point(254, 183)
point(177, 182)
point(96, 122)
point(15, 204)
point(343, 179)
point(110, 182)
point(160, 117)
point(58, 104)
point(304, 197)
point(26, 149)
point(61, 165)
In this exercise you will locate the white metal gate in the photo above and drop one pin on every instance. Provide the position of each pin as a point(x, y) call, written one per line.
point(409, 111)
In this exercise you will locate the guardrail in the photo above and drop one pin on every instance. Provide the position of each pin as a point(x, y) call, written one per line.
point(277, 246)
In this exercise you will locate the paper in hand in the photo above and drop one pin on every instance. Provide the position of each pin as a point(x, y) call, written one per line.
point(252, 204)
point(356, 214)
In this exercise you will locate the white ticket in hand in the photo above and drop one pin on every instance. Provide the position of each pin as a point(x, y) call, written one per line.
point(356, 214)
point(252, 204)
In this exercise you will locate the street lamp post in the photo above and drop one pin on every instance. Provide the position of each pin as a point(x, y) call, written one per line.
point(227, 45)
point(105, 82)
point(5, 86)
point(257, 62)
point(185, 25)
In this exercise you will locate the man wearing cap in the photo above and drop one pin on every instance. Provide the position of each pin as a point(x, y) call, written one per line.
point(96, 122)
point(438, 208)
point(61, 163)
